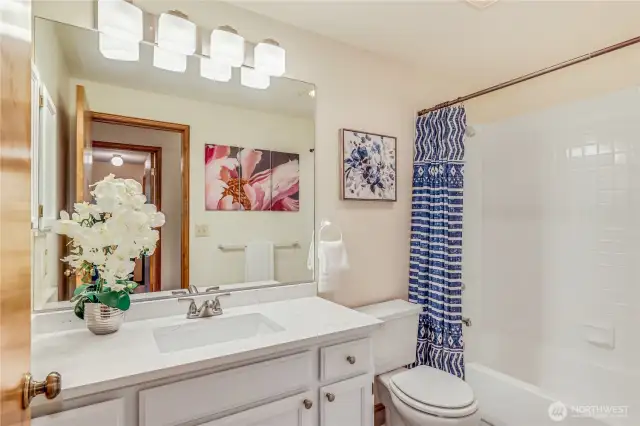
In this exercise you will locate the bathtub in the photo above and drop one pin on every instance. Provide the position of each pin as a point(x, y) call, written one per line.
point(505, 401)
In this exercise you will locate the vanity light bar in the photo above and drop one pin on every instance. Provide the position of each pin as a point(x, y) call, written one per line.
point(175, 37)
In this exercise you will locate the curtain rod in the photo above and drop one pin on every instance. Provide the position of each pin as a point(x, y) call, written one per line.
point(535, 74)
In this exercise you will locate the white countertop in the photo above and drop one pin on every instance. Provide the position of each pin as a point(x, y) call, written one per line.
point(90, 363)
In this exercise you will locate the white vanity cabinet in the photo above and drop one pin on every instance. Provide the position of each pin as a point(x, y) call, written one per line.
point(322, 385)
point(317, 371)
point(347, 403)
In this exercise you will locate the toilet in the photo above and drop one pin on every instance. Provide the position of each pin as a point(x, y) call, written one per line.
point(422, 396)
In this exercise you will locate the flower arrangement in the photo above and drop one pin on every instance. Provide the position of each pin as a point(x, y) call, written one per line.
point(106, 238)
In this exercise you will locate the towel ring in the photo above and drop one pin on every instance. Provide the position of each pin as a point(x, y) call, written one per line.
point(325, 224)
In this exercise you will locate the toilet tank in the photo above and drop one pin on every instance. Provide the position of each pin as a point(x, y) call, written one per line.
point(394, 343)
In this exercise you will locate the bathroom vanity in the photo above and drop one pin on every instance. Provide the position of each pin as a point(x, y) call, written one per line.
point(295, 362)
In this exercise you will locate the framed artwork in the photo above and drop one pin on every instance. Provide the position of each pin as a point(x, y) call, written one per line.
point(368, 166)
point(250, 179)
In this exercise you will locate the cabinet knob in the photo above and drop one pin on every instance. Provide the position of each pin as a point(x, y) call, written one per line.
point(307, 404)
point(50, 388)
point(351, 359)
point(331, 397)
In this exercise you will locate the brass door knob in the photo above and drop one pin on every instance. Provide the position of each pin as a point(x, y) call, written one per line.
point(50, 387)
point(307, 404)
point(331, 397)
point(351, 359)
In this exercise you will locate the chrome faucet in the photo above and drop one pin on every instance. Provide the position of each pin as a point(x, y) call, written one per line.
point(193, 290)
point(209, 308)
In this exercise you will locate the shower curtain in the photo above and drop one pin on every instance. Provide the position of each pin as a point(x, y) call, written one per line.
point(435, 277)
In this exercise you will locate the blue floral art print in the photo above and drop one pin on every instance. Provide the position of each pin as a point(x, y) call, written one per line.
point(368, 166)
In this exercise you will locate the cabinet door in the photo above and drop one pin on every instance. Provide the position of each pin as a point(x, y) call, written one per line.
point(110, 413)
point(347, 403)
point(298, 410)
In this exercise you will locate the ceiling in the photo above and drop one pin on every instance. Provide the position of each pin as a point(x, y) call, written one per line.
point(84, 61)
point(464, 44)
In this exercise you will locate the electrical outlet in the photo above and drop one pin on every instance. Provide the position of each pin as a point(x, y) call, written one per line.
point(202, 230)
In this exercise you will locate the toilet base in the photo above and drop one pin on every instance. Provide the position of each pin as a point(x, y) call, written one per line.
point(413, 417)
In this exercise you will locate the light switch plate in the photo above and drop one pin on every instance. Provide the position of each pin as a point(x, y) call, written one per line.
point(202, 230)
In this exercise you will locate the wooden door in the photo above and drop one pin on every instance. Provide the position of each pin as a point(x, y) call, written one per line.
point(299, 410)
point(83, 146)
point(347, 403)
point(15, 206)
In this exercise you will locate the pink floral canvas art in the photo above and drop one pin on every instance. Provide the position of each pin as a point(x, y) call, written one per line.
point(248, 179)
point(285, 173)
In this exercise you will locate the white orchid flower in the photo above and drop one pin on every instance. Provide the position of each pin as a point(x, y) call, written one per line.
point(85, 211)
point(133, 186)
point(120, 231)
point(66, 225)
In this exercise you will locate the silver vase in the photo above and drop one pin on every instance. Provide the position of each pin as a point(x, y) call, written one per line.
point(102, 319)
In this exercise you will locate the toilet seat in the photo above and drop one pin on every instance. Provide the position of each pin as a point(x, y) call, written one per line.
point(434, 392)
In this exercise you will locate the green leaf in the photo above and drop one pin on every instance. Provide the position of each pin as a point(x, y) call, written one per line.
point(79, 308)
point(131, 285)
point(83, 287)
point(115, 299)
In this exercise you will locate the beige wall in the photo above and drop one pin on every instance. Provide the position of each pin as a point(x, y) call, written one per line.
point(603, 74)
point(170, 143)
point(355, 89)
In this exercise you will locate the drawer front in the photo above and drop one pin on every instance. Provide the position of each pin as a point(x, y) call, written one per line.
point(299, 410)
point(345, 360)
point(196, 398)
point(110, 413)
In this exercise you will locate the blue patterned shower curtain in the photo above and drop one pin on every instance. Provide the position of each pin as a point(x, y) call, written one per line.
point(435, 277)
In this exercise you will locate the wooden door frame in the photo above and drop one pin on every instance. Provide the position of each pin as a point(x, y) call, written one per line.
point(184, 131)
point(155, 269)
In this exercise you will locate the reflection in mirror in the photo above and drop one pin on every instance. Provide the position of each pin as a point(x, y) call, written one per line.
point(230, 166)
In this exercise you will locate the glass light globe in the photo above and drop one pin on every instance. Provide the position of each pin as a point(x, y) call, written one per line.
point(254, 79)
point(176, 34)
point(117, 160)
point(215, 70)
point(269, 58)
point(118, 49)
point(170, 61)
point(227, 46)
point(120, 19)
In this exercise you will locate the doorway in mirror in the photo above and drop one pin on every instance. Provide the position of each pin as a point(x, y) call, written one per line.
point(144, 164)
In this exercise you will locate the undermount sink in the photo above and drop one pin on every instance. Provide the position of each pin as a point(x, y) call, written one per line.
point(211, 331)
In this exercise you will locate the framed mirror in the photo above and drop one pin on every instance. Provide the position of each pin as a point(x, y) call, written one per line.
point(230, 166)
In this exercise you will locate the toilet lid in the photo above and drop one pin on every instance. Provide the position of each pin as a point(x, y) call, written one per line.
point(432, 387)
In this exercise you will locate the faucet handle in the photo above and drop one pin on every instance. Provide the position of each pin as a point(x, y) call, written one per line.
point(210, 289)
point(220, 295)
point(216, 300)
point(192, 289)
point(193, 308)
